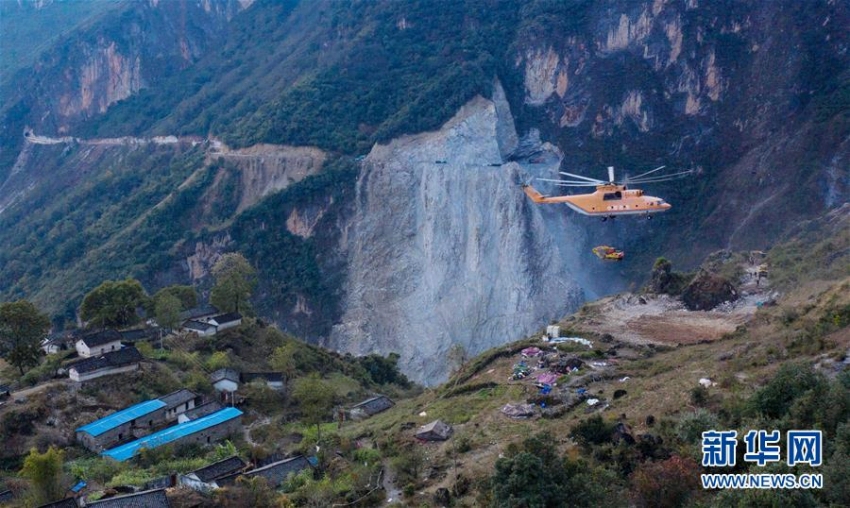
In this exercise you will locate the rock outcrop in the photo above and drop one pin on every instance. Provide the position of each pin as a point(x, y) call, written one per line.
point(445, 249)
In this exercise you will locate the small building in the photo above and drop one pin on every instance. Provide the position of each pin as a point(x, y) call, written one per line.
point(140, 334)
point(199, 411)
point(273, 380)
point(110, 430)
point(202, 313)
point(116, 362)
point(68, 502)
point(434, 431)
point(225, 380)
point(98, 343)
point(202, 328)
point(61, 341)
point(371, 407)
point(204, 430)
point(225, 321)
point(203, 479)
point(179, 402)
point(274, 473)
point(553, 331)
point(146, 499)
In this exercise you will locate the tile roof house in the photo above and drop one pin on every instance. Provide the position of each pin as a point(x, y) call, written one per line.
point(68, 502)
point(61, 341)
point(202, 328)
point(274, 473)
point(225, 321)
point(147, 499)
point(371, 407)
point(149, 334)
point(202, 313)
point(179, 402)
point(98, 343)
point(199, 411)
point(225, 379)
point(115, 362)
point(204, 479)
point(273, 380)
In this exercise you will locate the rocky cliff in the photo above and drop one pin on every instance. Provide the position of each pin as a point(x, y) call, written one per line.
point(444, 248)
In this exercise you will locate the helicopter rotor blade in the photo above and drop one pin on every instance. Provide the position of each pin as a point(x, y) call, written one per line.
point(568, 183)
point(594, 180)
point(633, 178)
point(655, 179)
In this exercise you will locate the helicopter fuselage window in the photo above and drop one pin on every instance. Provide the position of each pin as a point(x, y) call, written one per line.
point(611, 196)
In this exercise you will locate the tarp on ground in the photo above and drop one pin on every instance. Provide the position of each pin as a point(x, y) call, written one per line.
point(434, 431)
point(519, 410)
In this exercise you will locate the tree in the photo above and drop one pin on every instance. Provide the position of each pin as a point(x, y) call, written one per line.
point(113, 304)
point(22, 327)
point(185, 294)
point(315, 397)
point(167, 310)
point(44, 470)
point(235, 280)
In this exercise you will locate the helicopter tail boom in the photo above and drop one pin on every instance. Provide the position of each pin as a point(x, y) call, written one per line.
point(534, 194)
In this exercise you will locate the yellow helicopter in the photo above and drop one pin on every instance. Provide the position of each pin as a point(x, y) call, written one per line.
point(610, 198)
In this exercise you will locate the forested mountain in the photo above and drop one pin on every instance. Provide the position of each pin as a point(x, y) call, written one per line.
point(154, 136)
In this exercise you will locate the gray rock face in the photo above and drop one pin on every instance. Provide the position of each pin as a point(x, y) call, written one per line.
point(445, 248)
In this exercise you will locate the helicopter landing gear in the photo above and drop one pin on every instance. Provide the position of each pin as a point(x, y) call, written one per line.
point(605, 218)
point(648, 217)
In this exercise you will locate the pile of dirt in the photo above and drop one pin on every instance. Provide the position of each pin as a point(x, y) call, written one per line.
point(707, 291)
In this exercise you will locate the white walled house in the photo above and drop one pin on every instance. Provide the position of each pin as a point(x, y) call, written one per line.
point(225, 380)
point(115, 362)
point(96, 344)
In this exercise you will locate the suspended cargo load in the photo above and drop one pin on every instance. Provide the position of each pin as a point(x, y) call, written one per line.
point(607, 253)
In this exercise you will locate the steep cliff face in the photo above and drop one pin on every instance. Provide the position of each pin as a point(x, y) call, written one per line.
point(444, 248)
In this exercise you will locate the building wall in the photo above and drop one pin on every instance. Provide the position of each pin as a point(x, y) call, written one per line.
point(212, 434)
point(84, 351)
point(172, 413)
point(106, 440)
point(232, 324)
point(76, 376)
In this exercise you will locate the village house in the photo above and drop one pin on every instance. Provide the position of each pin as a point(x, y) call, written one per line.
point(110, 430)
point(179, 402)
point(205, 430)
point(199, 411)
point(146, 499)
point(68, 502)
point(225, 321)
point(225, 380)
point(203, 480)
point(273, 380)
point(370, 407)
point(98, 343)
point(61, 341)
point(203, 313)
point(140, 334)
point(274, 473)
point(201, 328)
point(116, 362)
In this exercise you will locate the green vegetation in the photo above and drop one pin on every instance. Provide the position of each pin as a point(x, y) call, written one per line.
point(44, 471)
point(235, 280)
point(113, 304)
point(22, 327)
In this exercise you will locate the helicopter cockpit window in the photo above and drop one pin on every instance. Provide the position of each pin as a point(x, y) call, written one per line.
point(611, 196)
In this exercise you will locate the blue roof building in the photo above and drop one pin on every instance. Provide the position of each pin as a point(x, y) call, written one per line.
point(115, 420)
point(206, 429)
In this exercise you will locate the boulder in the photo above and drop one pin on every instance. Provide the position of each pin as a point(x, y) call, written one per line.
point(707, 291)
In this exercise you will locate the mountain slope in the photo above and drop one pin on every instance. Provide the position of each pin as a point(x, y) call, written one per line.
point(754, 97)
